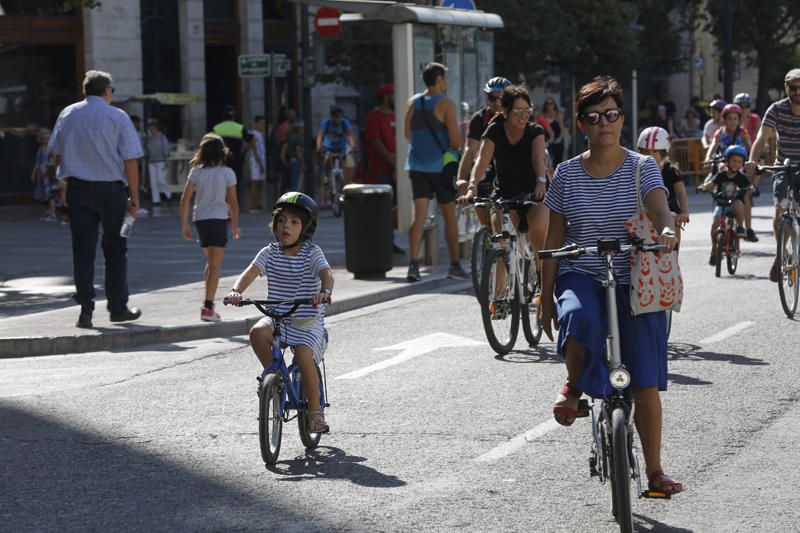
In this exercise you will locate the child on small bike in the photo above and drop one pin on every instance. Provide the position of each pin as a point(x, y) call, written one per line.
point(730, 186)
point(295, 268)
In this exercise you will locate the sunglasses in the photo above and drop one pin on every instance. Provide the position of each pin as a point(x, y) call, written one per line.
point(522, 111)
point(593, 118)
point(792, 89)
point(493, 98)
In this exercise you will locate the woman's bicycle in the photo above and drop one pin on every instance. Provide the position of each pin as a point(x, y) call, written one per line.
point(280, 388)
point(510, 284)
point(788, 254)
point(613, 457)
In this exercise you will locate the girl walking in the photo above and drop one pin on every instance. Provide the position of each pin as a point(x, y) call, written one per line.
point(213, 183)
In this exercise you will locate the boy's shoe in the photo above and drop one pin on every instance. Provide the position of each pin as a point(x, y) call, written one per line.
point(712, 260)
point(456, 272)
point(209, 315)
point(740, 232)
point(413, 272)
point(751, 235)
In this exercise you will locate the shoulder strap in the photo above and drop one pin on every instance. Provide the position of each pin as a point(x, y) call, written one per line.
point(639, 204)
point(430, 128)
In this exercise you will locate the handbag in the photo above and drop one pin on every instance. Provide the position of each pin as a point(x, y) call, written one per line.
point(656, 282)
point(450, 157)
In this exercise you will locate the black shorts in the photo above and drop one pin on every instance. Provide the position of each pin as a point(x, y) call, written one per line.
point(426, 184)
point(212, 232)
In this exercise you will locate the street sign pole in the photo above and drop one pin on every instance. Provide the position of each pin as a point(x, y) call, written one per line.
point(273, 113)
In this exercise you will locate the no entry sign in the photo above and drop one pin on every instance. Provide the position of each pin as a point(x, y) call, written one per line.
point(326, 22)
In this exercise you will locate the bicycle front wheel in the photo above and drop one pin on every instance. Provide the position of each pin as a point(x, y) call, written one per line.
point(336, 195)
point(499, 306)
point(531, 292)
point(733, 255)
point(621, 472)
point(787, 260)
point(309, 439)
point(481, 243)
point(270, 418)
point(720, 250)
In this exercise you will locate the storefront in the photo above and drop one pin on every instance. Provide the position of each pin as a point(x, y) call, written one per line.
point(41, 58)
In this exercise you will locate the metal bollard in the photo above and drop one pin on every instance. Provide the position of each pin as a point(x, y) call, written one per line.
point(430, 235)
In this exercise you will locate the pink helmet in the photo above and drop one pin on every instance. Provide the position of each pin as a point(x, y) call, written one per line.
point(731, 108)
point(653, 138)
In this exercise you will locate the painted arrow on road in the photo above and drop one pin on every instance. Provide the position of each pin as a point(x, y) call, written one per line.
point(414, 348)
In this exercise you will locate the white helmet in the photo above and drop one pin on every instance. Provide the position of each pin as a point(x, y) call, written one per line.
point(653, 138)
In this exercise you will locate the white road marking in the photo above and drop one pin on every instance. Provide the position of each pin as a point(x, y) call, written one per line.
point(727, 332)
point(413, 348)
point(518, 442)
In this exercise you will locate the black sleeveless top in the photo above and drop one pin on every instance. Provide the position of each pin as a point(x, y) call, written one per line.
point(513, 163)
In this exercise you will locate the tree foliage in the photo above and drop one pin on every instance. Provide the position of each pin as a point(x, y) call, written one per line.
point(766, 33)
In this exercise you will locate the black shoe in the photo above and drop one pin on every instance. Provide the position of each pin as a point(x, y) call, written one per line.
point(397, 250)
point(712, 260)
point(127, 315)
point(84, 320)
point(751, 235)
point(413, 272)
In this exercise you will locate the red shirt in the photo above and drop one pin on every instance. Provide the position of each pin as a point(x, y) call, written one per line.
point(379, 125)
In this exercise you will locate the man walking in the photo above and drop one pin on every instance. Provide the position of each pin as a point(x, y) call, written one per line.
point(431, 129)
point(96, 149)
point(780, 128)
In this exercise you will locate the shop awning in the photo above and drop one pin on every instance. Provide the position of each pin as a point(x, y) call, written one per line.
point(400, 13)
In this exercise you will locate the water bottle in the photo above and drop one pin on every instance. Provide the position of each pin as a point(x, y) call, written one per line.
point(127, 225)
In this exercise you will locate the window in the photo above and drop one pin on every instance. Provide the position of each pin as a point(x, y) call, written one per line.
point(43, 8)
point(277, 9)
point(224, 10)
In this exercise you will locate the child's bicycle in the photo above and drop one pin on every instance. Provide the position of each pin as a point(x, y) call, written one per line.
point(281, 391)
point(613, 457)
point(501, 307)
point(727, 242)
point(788, 254)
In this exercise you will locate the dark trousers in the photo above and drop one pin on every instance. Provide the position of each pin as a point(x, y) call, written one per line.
point(93, 204)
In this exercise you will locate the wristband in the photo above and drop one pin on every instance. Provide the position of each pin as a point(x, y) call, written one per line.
point(541, 179)
point(668, 232)
point(326, 291)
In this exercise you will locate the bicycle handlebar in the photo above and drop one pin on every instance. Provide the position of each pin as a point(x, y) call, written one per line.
point(261, 305)
point(785, 166)
point(612, 246)
point(502, 203)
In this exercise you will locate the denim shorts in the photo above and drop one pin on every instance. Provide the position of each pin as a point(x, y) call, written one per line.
point(780, 187)
point(581, 308)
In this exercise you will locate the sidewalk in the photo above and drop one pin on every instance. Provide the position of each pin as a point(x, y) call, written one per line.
point(38, 315)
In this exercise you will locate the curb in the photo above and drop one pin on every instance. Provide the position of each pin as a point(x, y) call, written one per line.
point(134, 335)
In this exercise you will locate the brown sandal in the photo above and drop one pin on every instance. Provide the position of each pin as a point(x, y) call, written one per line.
point(658, 481)
point(316, 422)
point(566, 415)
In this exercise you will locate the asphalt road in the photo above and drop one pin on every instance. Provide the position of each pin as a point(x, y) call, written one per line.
point(430, 431)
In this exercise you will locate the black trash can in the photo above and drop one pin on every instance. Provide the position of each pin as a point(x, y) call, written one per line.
point(368, 230)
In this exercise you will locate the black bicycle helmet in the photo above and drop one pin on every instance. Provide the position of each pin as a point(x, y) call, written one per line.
point(496, 85)
point(743, 100)
point(303, 202)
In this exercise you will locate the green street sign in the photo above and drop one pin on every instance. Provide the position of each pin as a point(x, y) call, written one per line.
point(254, 66)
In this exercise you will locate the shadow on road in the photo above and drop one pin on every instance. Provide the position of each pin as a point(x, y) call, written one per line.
point(55, 477)
point(645, 523)
point(680, 379)
point(536, 354)
point(333, 463)
point(693, 352)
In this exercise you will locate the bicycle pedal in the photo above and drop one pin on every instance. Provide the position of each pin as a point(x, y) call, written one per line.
point(655, 495)
point(583, 409)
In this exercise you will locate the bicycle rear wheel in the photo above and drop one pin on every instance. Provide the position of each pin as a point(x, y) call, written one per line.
point(531, 291)
point(499, 306)
point(720, 250)
point(787, 259)
point(733, 255)
point(270, 418)
point(309, 439)
point(620, 471)
point(481, 243)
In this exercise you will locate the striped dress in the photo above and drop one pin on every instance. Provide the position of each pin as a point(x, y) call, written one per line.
point(295, 277)
point(596, 207)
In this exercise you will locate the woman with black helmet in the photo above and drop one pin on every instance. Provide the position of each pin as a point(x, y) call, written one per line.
point(295, 268)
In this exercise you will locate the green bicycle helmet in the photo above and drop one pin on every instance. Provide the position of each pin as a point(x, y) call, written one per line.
point(304, 203)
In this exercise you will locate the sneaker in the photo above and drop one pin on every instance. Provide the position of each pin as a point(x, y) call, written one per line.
point(413, 272)
point(751, 235)
point(712, 260)
point(209, 315)
point(740, 232)
point(456, 272)
point(773, 272)
point(48, 217)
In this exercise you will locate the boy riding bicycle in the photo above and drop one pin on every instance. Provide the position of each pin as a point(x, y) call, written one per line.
point(295, 268)
point(731, 185)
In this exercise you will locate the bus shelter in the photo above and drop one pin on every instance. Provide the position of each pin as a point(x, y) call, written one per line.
point(461, 39)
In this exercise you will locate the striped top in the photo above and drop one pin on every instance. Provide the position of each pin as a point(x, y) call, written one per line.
point(596, 207)
point(424, 153)
point(786, 124)
point(293, 277)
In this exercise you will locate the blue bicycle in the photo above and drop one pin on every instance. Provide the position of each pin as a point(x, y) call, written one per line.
point(280, 389)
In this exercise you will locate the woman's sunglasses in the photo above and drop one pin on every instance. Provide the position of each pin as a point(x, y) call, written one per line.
point(522, 111)
point(593, 118)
